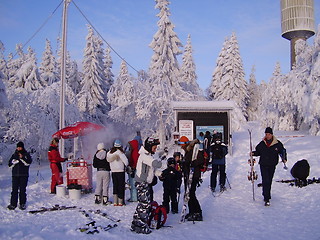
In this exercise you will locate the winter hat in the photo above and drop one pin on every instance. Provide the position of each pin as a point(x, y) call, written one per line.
point(268, 130)
point(183, 141)
point(117, 143)
point(100, 146)
point(149, 143)
point(20, 144)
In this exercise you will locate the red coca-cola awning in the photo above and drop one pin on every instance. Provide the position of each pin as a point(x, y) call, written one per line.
point(77, 129)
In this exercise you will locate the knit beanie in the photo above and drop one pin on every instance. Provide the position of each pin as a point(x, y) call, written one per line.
point(20, 144)
point(268, 130)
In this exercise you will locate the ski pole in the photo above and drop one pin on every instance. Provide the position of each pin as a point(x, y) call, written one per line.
point(228, 181)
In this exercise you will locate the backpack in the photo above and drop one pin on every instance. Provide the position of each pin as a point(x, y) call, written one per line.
point(300, 170)
point(217, 152)
point(158, 215)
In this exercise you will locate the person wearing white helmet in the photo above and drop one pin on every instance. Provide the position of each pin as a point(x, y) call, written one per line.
point(146, 167)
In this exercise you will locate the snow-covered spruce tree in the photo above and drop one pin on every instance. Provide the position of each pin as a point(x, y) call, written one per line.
point(73, 77)
point(90, 98)
point(48, 67)
point(254, 97)
point(15, 64)
point(28, 76)
point(121, 97)
point(228, 82)
point(3, 64)
point(312, 116)
point(189, 77)
point(108, 63)
point(270, 104)
point(163, 72)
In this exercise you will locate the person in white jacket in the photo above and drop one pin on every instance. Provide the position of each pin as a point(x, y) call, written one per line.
point(146, 167)
point(118, 162)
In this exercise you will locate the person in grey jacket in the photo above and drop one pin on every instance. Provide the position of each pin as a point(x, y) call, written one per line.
point(146, 167)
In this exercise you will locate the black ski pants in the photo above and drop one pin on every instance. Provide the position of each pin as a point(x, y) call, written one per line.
point(170, 194)
point(193, 204)
point(267, 173)
point(221, 168)
point(19, 187)
point(118, 179)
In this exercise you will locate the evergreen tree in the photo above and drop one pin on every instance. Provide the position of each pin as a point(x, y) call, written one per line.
point(73, 78)
point(48, 68)
point(254, 97)
point(121, 97)
point(188, 72)
point(228, 82)
point(3, 64)
point(108, 76)
point(28, 76)
point(91, 94)
point(15, 64)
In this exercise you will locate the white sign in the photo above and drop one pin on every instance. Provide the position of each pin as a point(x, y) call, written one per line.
point(186, 128)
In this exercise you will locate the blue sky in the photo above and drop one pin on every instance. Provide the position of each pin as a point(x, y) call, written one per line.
point(129, 26)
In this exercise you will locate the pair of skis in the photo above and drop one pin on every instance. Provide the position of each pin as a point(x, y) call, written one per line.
point(252, 174)
point(54, 208)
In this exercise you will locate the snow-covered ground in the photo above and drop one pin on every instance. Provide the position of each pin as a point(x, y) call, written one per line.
point(293, 214)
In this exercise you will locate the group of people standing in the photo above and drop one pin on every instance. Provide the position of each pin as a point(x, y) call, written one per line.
point(141, 165)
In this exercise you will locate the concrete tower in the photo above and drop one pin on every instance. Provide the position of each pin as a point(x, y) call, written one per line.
point(297, 22)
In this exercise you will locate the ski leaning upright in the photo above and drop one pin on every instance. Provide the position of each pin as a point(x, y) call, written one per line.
point(252, 175)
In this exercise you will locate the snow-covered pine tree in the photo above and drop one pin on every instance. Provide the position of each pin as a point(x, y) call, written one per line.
point(312, 115)
point(73, 78)
point(3, 64)
point(48, 67)
point(188, 80)
point(254, 97)
point(28, 76)
point(228, 82)
point(108, 74)
point(121, 97)
point(15, 64)
point(163, 72)
point(270, 103)
point(91, 95)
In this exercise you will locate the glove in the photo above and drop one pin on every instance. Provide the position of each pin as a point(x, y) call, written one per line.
point(15, 161)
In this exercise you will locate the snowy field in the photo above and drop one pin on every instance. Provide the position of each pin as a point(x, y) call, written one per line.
point(294, 212)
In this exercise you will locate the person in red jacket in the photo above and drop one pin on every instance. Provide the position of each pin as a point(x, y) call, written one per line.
point(55, 164)
point(133, 159)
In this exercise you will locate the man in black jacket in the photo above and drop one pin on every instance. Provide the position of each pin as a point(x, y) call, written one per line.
point(19, 162)
point(269, 150)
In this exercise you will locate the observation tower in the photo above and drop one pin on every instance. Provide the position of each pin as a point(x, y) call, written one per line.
point(297, 22)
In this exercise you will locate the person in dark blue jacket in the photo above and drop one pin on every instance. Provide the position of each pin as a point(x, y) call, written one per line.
point(269, 150)
point(19, 162)
point(219, 151)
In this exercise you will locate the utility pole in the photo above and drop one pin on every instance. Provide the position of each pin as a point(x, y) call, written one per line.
point(63, 71)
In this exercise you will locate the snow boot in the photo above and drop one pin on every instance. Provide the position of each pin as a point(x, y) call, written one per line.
point(115, 200)
point(105, 200)
point(267, 203)
point(11, 207)
point(97, 199)
point(23, 206)
point(120, 202)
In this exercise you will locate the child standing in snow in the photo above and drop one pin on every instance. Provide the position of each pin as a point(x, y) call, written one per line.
point(171, 179)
